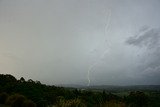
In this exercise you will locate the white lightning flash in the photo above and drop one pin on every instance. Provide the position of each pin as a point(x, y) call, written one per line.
point(106, 50)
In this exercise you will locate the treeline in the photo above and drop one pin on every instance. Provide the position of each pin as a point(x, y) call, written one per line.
point(22, 93)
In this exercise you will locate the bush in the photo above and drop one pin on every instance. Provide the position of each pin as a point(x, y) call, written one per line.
point(114, 103)
point(10, 100)
point(19, 101)
point(15, 100)
point(3, 98)
point(29, 103)
point(137, 99)
point(71, 103)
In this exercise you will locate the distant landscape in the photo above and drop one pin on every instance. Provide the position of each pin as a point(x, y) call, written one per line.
point(117, 88)
point(79, 53)
point(28, 93)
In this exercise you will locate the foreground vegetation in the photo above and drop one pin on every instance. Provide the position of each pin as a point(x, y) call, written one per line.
point(22, 93)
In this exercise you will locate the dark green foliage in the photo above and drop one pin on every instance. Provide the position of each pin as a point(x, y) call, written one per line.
point(137, 99)
point(154, 99)
point(41, 95)
point(3, 97)
point(15, 100)
point(7, 79)
point(11, 99)
point(28, 103)
point(70, 103)
point(7, 83)
point(18, 100)
point(22, 79)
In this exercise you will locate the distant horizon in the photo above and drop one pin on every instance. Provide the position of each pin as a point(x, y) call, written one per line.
point(85, 85)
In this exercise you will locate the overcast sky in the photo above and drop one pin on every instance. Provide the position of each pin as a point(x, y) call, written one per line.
point(58, 41)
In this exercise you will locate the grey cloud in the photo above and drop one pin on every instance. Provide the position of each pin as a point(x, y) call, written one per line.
point(149, 68)
point(147, 37)
point(57, 41)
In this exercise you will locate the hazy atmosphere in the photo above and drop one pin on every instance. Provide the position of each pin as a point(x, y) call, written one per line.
point(104, 42)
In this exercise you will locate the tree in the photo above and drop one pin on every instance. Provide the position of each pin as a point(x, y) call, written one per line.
point(31, 81)
point(22, 79)
point(6, 79)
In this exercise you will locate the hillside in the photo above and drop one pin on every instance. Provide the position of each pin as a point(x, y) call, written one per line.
point(31, 93)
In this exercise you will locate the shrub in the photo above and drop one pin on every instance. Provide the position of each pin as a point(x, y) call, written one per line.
point(137, 99)
point(114, 103)
point(29, 103)
point(15, 100)
point(3, 98)
point(19, 101)
point(71, 103)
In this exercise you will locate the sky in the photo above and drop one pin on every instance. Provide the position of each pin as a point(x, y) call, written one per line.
point(104, 42)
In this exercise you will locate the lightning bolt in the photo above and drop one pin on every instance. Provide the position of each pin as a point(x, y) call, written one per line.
point(106, 50)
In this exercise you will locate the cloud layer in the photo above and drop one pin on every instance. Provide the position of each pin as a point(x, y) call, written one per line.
point(148, 39)
point(57, 41)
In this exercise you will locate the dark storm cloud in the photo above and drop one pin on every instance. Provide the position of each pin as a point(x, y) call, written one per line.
point(148, 38)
